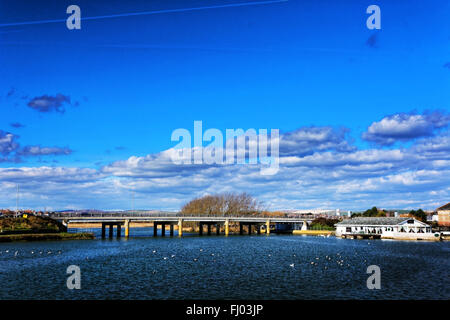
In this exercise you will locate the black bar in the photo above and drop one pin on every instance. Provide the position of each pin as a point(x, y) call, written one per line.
point(200, 231)
point(163, 229)
point(171, 230)
point(119, 231)
point(155, 229)
point(103, 231)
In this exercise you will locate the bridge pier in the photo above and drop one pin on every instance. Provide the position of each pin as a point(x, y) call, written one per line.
point(155, 228)
point(163, 229)
point(111, 230)
point(111, 225)
point(127, 228)
point(180, 227)
point(209, 229)
point(200, 230)
point(217, 229)
point(227, 227)
point(241, 230)
point(268, 226)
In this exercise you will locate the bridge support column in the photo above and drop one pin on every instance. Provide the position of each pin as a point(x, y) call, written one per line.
point(103, 231)
point(209, 229)
point(155, 229)
point(163, 229)
point(111, 230)
point(217, 229)
point(258, 229)
point(119, 230)
point(250, 228)
point(180, 227)
point(268, 227)
point(241, 231)
point(127, 228)
point(200, 230)
point(305, 225)
point(227, 227)
point(171, 229)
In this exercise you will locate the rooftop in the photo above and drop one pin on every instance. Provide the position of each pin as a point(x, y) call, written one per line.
point(444, 207)
point(373, 221)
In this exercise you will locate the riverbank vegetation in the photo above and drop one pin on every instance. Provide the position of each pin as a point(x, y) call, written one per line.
point(35, 228)
point(323, 224)
point(30, 224)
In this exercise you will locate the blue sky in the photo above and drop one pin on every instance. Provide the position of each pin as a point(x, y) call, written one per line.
point(86, 115)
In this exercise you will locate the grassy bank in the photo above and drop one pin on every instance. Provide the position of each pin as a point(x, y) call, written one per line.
point(46, 236)
point(30, 224)
point(33, 228)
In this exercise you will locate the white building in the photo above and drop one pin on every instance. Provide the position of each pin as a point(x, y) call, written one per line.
point(385, 228)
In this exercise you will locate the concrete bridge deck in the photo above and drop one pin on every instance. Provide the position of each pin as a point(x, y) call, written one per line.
point(172, 219)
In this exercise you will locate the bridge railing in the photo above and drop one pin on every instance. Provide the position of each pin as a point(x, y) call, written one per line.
point(172, 214)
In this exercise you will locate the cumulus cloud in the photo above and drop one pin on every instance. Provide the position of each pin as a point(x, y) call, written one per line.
point(12, 152)
point(48, 103)
point(405, 126)
point(308, 140)
point(43, 151)
point(319, 168)
point(8, 143)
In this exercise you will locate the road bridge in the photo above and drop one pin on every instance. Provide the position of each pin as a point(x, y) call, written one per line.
point(177, 220)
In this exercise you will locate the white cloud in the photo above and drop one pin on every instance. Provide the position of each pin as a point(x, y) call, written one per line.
point(404, 127)
point(326, 177)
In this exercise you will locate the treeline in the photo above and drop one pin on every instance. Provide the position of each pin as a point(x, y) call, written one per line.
point(225, 204)
point(322, 223)
point(375, 212)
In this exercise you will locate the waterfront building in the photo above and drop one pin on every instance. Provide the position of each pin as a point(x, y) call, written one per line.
point(385, 228)
point(444, 215)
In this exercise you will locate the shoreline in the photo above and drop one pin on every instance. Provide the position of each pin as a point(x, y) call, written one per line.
point(313, 232)
point(46, 236)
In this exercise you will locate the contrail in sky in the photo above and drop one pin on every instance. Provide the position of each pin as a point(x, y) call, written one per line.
point(130, 14)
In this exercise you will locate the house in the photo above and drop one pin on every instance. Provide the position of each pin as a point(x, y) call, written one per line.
point(385, 228)
point(444, 215)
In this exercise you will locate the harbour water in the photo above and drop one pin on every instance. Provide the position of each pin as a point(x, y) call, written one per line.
point(218, 267)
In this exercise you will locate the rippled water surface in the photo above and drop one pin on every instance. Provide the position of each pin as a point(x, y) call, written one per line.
point(218, 267)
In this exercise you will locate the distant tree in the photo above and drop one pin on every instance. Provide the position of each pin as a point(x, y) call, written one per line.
point(419, 215)
point(324, 223)
point(371, 212)
point(225, 204)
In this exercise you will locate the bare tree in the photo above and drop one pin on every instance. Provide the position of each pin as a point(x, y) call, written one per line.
point(225, 204)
